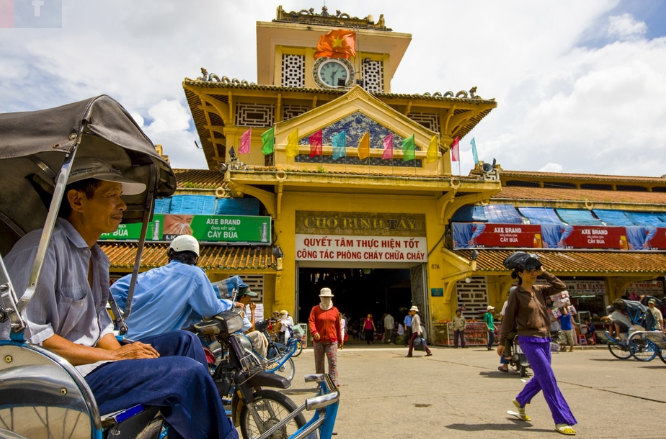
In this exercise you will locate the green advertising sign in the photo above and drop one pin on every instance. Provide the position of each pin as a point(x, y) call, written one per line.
point(206, 228)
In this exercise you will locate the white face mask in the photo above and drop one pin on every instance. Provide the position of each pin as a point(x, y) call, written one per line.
point(326, 303)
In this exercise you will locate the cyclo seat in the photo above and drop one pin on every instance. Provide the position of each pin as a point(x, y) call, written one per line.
point(43, 396)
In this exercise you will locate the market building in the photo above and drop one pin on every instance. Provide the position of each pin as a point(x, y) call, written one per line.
point(320, 175)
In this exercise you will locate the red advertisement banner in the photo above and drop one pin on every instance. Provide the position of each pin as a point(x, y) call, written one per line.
point(658, 241)
point(597, 237)
point(510, 235)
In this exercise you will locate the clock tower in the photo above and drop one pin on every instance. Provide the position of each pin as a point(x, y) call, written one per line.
point(286, 50)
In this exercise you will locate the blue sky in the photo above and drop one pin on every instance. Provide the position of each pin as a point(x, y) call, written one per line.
point(580, 85)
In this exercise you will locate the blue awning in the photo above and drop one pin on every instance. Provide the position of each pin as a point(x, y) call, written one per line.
point(613, 217)
point(646, 219)
point(540, 215)
point(470, 213)
point(578, 217)
point(502, 214)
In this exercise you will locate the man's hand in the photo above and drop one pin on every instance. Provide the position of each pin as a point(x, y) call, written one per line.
point(135, 351)
point(239, 305)
point(500, 350)
point(252, 306)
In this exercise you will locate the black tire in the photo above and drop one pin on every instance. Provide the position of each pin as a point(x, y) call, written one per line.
point(643, 349)
point(152, 430)
point(271, 407)
point(661, 354)
point(299, 349)
point(523, 371)
point(619, 351)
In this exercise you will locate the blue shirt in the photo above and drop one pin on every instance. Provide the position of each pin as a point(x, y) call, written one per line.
point(167, 298)
point(565, 322)
point(408, 321)
point(64, 302)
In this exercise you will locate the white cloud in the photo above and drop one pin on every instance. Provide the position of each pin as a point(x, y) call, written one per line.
point(625, 27)
point(551, 167)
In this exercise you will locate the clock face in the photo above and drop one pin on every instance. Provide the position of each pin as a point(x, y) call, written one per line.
point(333, 73)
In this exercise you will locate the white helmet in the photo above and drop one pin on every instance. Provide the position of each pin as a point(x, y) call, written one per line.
point(185, 243)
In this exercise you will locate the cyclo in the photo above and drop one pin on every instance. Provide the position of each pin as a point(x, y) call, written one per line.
point(41, 394)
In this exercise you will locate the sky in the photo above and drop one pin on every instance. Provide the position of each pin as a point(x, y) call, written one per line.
point(580, 85)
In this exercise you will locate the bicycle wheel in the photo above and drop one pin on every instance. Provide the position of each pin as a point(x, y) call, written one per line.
point(643, 349)
point(299, 348)
point(287, 369)
point(662, 355)
point(619, 351)
point(269, 408)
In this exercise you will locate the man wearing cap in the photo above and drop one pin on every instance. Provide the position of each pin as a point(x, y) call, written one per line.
point(658, 317)
point(68, 316)
point(324, 325)
point(490, 325)
point(258, 339)
point(174, 296)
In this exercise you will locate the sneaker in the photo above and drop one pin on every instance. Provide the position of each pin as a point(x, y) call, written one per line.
point(429, 354)
point(521, 411)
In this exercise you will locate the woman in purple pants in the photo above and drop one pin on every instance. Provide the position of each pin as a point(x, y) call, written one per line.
point(527, 308)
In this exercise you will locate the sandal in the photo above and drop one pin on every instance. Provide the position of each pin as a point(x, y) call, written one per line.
point(501, 369)
point(565, 429)
point(521, 411)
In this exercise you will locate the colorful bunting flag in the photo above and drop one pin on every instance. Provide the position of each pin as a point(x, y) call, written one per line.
point(338, 43)
point(364, 146)
point(455, 150)
point(431, 155)
point(292, 144)
point(339, 145)
point(408, 149)
point(267, 141)
point(388, 147)
point(476, 157)
point(315, 143)
point(245, 142)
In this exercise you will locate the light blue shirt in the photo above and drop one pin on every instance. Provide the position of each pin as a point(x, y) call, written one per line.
point(64, 302)
point(167, 298)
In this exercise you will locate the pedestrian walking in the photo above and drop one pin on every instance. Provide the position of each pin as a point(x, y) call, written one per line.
point(490, 326)
point(407, 325)
point(459, 325)
point(527, 308)
point(369, 328)
point(324, 325)
point(417, 330)
point(389, 322)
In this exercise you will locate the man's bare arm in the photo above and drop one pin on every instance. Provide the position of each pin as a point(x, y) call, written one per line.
point(107, 349)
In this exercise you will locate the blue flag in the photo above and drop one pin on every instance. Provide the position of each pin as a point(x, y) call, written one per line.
point(476, 157)
point(339, 145)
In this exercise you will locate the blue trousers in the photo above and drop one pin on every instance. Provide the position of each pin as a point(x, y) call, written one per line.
point(178, 382)
point(537, 351)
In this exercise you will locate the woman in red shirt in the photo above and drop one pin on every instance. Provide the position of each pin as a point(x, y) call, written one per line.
point(324, 324)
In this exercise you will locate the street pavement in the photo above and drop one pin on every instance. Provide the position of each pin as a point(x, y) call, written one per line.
point(459, 393)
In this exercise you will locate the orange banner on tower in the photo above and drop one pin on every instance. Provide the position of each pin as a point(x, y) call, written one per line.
point(337, 43)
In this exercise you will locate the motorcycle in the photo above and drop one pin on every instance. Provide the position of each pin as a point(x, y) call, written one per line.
point(518, 359)
point(242, 381)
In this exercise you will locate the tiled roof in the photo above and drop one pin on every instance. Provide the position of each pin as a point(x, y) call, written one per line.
point(600, 196)
point(507, 175)
point(198, 178)
point(212, 257)
point(577, 262)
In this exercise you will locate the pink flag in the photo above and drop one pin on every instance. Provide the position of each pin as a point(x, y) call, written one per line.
point(388, 147)
point(455, 150)
point(245, 142)
point(315, 143)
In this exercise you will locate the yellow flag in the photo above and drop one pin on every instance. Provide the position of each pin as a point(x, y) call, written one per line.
point(364, 146)
point(431, 155)
point(292, 144)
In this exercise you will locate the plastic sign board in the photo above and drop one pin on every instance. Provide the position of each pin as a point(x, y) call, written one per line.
point(206, 228)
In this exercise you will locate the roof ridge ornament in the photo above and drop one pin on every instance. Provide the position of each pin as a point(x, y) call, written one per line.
point(340, 19)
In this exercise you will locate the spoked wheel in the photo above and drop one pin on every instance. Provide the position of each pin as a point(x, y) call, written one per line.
point(619, 351)
point(523, 371)
point(299, 349)
point(287, 369)
point(269, 408)
point(643, 349)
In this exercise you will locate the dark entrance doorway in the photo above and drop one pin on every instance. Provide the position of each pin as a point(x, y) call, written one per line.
point(358, 291)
